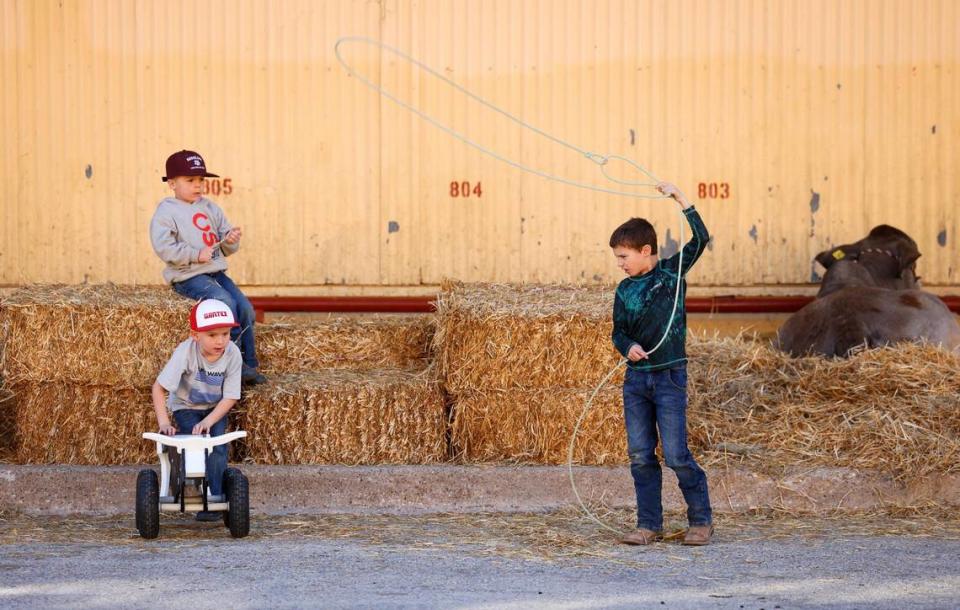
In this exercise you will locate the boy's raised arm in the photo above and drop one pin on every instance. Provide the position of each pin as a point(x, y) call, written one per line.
point(700, 238)
point(694, 248)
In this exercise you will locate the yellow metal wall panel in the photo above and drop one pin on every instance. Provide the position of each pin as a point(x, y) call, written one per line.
point(822, 119)
point(105, 90)
point(10, 129)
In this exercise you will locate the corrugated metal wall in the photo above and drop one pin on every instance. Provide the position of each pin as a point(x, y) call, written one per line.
point(820, 119)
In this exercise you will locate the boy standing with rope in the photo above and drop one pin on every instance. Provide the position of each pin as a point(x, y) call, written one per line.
point(649, 330)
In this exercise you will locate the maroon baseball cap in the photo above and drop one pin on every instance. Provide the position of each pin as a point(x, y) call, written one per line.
point(186, 163)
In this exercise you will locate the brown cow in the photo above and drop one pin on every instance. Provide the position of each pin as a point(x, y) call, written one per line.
point(869, 296)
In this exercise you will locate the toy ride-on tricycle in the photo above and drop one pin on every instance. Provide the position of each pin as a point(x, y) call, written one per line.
point(188, 466)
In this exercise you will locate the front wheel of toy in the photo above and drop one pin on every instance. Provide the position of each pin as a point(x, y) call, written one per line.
point(148, 504)
point(238, 495)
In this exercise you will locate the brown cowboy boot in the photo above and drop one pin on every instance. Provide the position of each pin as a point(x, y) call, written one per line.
point(641, 537)
point(698, 535)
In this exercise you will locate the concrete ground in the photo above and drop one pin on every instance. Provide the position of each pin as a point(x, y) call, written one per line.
point(481, 537)
point(482, 560)
point(53, 489)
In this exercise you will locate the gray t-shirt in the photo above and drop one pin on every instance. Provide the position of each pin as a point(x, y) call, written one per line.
point(194, 383)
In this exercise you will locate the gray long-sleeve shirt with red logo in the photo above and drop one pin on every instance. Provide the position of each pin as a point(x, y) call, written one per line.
point(180, 230)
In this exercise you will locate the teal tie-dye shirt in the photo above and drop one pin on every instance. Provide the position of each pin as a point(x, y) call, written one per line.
point(642, 305)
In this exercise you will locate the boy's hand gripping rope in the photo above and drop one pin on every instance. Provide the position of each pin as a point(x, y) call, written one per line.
point(600, 160)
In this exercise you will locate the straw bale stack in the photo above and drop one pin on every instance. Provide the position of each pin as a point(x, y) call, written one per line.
point(81, 359)
point(105, 335)
point(499, 336)
point(519, 362)
point(357, 343)
point(347, 417)
point(896, 410)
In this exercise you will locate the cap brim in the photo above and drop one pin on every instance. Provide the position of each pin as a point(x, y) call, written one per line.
point(216, 326)
point(205, 175)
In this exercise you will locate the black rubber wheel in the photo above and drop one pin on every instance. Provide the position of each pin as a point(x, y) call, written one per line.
point(238, 495)
point(148, 504)
point(228, 475)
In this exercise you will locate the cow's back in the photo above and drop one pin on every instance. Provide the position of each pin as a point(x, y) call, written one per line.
point(861, 315)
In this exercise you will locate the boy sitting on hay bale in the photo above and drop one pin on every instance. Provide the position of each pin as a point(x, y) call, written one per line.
point(655, 384)
point(203, 381)
point(193, 237)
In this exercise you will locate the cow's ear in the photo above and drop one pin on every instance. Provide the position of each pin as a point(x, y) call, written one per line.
point(825, 259)
point(828, 257)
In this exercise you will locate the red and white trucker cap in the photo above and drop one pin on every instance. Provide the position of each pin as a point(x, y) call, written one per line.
point(209, 314)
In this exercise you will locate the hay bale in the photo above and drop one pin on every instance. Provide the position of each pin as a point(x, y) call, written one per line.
point(347, 417)
point(92, 335)
point(58, 423)
point(123, 335)
point(499, 336)
point(895, 410)
point(534, 426)
point(358, 343)
point(63, 423)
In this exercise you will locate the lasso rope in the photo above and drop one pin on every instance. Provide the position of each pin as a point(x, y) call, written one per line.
point(600, 160)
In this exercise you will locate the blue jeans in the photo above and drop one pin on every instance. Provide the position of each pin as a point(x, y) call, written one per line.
point(217, 459)
point(219, 286)
point(658, 400)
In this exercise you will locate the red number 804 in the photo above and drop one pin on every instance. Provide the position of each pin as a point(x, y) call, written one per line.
point(462, 189)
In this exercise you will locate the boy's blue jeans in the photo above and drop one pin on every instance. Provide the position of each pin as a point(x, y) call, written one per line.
point(658, 400)
point(219, 286)
point(217, 458)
